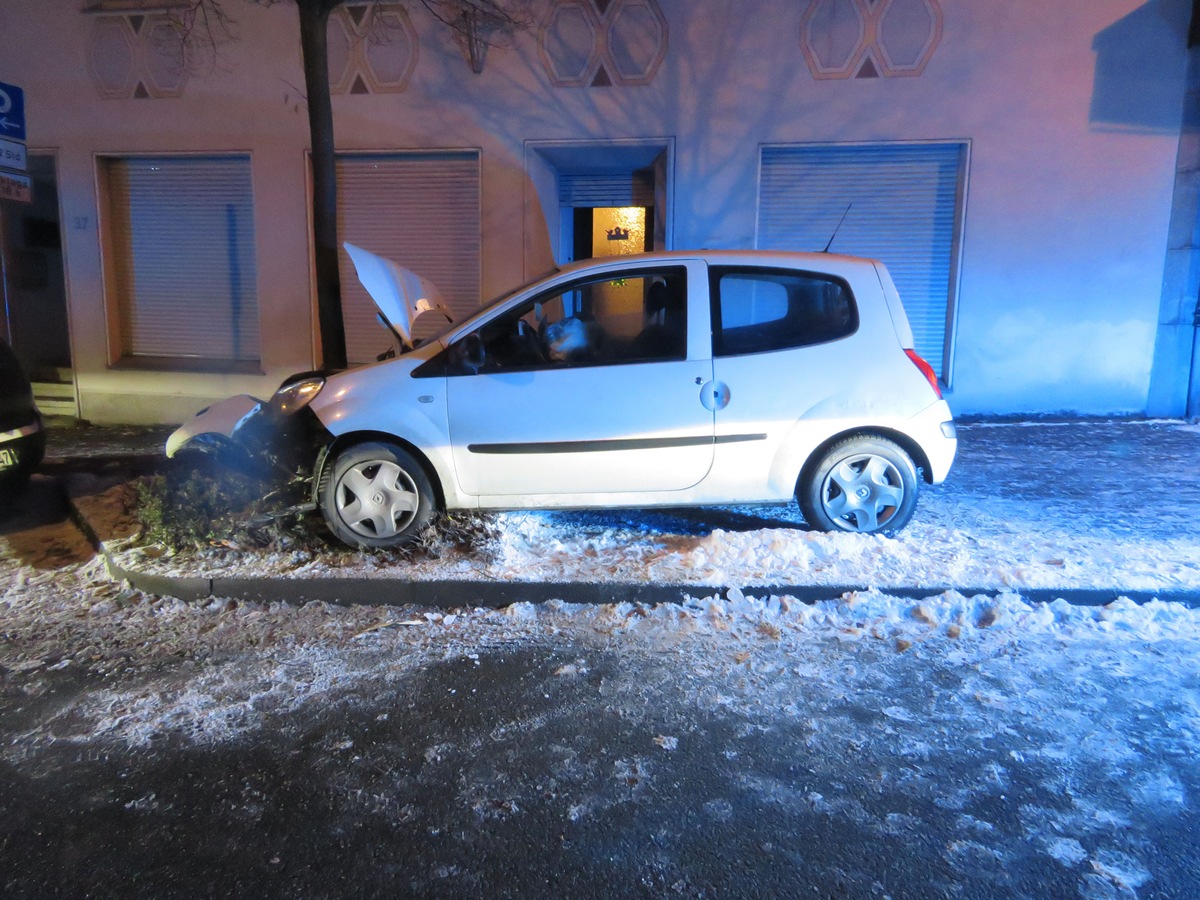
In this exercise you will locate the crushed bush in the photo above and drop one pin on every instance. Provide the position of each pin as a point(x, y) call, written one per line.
point(201, 505)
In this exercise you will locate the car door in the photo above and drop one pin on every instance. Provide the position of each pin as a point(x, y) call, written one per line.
point(783, 354)
point(592, 385)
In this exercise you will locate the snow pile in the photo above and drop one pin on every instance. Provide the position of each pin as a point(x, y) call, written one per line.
point(537, 547)
point(878, 615)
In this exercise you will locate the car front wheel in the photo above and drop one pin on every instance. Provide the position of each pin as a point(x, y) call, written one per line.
point(866, 485)
point(377, 496)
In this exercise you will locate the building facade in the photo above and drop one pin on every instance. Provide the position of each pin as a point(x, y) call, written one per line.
point(1026, 169)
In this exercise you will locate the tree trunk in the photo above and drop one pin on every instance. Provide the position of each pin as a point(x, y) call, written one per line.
point(314, 17)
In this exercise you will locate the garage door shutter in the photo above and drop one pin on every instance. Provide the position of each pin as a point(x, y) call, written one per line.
point(905, 205)
point(421, 210)
point(180, 241)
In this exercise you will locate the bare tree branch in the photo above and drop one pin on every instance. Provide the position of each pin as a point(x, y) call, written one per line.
point(206, 20)
point(491, 16)
point(480, 24)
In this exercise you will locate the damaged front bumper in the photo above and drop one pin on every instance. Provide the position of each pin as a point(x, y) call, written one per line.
point(221, 420)
point(261, 437)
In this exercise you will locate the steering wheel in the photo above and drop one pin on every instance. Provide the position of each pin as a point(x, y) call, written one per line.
point(527, 339)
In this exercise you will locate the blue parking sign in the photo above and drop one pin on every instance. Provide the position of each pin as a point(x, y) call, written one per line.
point(12, 112)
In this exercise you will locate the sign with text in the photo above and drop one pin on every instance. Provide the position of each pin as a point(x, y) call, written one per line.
point(12, 112)
point(16, 187)
point(12, 156)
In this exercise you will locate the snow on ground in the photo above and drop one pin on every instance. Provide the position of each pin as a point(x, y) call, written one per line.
point(306, 653)
point(65, 611)
point(60, 609)
point(535, 546)
point(1018, 734)
point(989, 739)
point(981, 530)
point(1071, 510)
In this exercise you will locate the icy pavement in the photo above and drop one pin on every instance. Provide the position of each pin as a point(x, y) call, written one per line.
point(862, 746)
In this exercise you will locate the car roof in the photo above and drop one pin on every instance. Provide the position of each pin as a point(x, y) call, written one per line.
point(787, 259)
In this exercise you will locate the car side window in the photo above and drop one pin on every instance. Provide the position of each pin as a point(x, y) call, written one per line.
point(636, 316)
point(758, 310)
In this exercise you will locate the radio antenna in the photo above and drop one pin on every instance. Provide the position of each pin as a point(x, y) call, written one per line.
point(838, 228)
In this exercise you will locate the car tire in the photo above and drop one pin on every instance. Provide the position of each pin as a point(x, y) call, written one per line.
point(864, 485)
point(376, 495)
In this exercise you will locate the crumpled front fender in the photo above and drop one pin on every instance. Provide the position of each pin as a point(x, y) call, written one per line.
point(221, 420)
point(249, 434)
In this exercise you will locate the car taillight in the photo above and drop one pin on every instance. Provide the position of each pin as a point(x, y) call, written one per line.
point(926, 370)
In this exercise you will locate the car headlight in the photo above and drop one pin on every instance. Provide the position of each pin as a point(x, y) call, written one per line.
point(296, 393)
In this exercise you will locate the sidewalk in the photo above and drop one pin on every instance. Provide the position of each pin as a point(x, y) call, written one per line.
point(76, 446)
point(1100, 509)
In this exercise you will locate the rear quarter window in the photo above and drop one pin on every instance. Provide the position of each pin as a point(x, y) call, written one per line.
point(759, 310)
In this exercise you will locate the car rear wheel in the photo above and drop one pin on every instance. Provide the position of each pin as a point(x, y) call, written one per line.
point(866, 485)
point(377, 496)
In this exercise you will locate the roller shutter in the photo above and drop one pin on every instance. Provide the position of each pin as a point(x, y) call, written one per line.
point(421, 210)
point(606, 188)
point(905, 209)
point(180, 240)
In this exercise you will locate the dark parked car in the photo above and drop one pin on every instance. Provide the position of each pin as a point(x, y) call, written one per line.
point(22, 438)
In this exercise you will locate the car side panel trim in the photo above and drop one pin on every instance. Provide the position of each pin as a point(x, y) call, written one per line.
point(616, 444)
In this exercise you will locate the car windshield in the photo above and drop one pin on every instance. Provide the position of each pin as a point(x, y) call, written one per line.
point(451, 326)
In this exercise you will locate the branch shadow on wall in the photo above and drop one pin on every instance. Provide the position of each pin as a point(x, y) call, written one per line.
point(1138, 66)
point(689, 94)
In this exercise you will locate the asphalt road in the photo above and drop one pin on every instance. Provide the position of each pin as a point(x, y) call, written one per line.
point(565, 767)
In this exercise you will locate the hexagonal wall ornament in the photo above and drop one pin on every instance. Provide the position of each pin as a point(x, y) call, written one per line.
point(601, 43)
point(163, 57)
point(137, 56)
point(110, 55)
point(569, 43)
point(908, 31)
point(832, 33)
point(373, 48)
point(637, 41)
point(869, 38)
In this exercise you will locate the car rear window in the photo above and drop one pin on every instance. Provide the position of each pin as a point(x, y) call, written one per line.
point(758, 310)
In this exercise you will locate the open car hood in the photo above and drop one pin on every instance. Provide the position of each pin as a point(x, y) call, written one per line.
point(400, 293)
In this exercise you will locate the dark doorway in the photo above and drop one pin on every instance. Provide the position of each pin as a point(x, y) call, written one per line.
point(34, 292)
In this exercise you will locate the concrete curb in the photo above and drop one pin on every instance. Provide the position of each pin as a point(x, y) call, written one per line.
point(457, 594)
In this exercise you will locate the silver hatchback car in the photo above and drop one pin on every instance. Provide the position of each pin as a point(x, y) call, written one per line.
point(664, 379)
